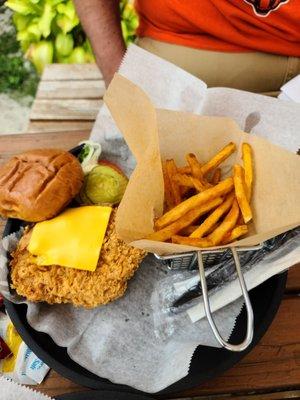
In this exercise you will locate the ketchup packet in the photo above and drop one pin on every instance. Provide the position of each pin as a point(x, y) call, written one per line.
point(17, 361)
point(4, 350)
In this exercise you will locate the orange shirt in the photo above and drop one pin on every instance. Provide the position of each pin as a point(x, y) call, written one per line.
point(271, 26)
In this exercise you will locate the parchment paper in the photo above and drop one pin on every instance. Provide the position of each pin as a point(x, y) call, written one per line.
point(10, 390)
point(154, 135)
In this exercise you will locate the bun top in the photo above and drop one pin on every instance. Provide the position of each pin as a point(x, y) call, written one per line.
point(38, 184)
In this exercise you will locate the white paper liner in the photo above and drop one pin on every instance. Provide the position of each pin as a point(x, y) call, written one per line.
point(118, 341)
point(172, 88)
point(10, 390)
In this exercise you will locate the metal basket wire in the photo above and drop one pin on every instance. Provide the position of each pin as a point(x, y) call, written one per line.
point(210, 258)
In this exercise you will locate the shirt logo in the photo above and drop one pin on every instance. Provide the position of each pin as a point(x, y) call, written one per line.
point(263, 8)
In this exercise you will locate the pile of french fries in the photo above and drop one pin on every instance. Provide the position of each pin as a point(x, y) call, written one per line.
point(201, 209)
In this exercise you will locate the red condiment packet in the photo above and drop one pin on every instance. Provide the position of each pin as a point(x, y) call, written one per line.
point(4, 349)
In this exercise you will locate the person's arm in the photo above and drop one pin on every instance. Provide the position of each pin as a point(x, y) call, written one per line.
point(101, 21)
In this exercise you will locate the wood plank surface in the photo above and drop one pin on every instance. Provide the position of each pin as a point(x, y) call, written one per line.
point(71, 89)
point(66, 93)
point(60, 72)
point(40, 126)
point(293, 282)
point(14, 144)
point(291, 394)
point(77, 109)
point(273, 363)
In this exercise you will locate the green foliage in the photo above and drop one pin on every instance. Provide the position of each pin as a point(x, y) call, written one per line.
point(12, 73)
point(64, 44)
point(8, 43)
point(15, 73)
point(129, 21)
point(41, 54)
point(50, 31)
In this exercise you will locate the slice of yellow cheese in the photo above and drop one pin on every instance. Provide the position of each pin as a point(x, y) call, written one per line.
point(72, 239)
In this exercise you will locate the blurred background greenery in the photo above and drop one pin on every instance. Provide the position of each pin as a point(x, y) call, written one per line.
point(40, 32)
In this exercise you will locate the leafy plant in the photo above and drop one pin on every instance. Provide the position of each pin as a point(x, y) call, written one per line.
point(16, 74)
point(129, 21)
point(50, 31)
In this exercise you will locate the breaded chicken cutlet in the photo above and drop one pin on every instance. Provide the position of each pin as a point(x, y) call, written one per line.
point(56, 284)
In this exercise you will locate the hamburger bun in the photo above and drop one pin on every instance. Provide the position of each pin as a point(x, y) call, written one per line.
point(38, 184)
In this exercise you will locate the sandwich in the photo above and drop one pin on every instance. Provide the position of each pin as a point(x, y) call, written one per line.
point(68, 253)
point(63, 280)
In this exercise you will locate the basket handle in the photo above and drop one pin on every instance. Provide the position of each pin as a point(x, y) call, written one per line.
point(250, 320)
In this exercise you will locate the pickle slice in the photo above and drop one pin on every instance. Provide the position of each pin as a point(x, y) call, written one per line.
point(103, 185)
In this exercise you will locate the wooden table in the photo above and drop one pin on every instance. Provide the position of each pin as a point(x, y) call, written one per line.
point(63, 113)
point(272, 369)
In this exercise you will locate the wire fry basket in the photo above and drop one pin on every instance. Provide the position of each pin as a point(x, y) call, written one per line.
point(210, 258)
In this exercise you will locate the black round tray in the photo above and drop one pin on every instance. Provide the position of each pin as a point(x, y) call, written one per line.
point(207, 362)
point(102, 395)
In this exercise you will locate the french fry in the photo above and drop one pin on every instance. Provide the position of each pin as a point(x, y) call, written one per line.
point(213, 218)
point(199, 186)
point(236, 232)
point(220, 189)
point(240, 220)
point(183, 180)
point(218, 158)
point(226, 226)
point(194, 165)
point(241, 192)
point(189, 181)
point(212, 228)
point(172, 170)
point(168, 191)
point(248, 167)
point(184, 170)
point(188, 230)
point(204, 242)
point(186, 220)
point(184, 190)
point(216, 176)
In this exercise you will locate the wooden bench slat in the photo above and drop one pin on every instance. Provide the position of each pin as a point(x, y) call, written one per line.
point(68, 89)
point(61, 72)
point(58, 109)
point(58, 126)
